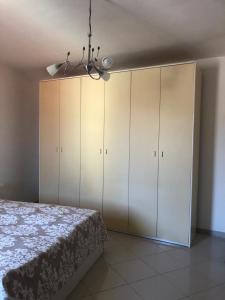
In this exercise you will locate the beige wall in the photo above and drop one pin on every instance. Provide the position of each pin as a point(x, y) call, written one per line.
point(212, 153)
point(18, 145)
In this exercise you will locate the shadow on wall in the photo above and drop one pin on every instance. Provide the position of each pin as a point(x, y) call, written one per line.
point(207, 143)
point(18, 135)
point(12, 191)
point(152, 57)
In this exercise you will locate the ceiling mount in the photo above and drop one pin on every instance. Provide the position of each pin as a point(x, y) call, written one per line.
point(94, 67)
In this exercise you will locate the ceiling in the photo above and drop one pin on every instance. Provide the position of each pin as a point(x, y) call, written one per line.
point(36, 33)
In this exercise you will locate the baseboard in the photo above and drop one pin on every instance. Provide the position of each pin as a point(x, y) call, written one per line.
point(218, 234)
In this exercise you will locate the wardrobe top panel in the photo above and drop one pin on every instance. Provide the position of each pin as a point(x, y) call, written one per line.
point(125, 70)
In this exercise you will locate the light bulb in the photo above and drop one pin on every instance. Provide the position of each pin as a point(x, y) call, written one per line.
point(107, 62)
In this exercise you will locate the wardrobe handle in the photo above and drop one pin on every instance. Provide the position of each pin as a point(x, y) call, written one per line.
point(100, 151)
point(154, 153)
point(162, 154)
point(61, 149)
point(106, 151)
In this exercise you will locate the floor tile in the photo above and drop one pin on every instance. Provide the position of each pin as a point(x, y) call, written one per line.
point(188, 258)
point(80, 292)
point(102, 277)
point(120, 293)
point(145, 248)
point(188, 280)
point(118, 254)
point(141, 247)
point(133, 270)
point(166, 247)
point(163, 262)
point(217, 293)
point(209, 248)
point(111, 243)
point(213, 270)
point(113, 238)
point(156, 288)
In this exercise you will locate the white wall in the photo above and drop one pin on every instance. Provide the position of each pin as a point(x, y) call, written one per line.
point(212, 146)
point(31, 136)
point(17, 137)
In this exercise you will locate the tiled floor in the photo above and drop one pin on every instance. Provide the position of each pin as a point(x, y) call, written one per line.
point(134, 269)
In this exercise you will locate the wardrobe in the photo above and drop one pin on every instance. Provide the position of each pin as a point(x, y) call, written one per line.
point(127, 147)
point(59, 142)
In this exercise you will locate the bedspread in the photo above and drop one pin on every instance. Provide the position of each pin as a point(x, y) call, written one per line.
point(42, 246)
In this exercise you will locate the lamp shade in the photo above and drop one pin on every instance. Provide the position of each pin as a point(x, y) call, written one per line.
point(107, 62)
point(53, 69)
point(105, 76)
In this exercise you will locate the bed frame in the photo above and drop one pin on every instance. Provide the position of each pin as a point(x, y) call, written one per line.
point(82, 270)
point(73, 282)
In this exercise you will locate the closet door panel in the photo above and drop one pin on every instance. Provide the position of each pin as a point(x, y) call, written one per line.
point(176, 142)
point(116, 159)
point(69, 142)
point(145, 100)
point(92, 126)
point(49, 142)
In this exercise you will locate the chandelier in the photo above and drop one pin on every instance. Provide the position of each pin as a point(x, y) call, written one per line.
point(96, 68)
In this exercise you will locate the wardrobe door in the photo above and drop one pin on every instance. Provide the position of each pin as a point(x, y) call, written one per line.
point(49, 142)
point(116, 158)
point(145, 99)
point(69, 141)
point(92, 126)
point(175, 162)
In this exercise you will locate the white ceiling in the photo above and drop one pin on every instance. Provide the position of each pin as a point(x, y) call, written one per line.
point(35, 33)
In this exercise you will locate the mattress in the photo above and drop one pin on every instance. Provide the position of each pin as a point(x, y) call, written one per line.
point(42, 246)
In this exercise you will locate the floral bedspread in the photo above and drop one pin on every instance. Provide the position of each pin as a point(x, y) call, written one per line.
point(42, 246)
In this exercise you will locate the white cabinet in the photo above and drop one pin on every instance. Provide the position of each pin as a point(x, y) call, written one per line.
point(127, 147)
point(176, 149)
point(60, 142)
point(69, 91)
point(92, 129)
point(116, 159)
point(145, 101)
point(49, 142)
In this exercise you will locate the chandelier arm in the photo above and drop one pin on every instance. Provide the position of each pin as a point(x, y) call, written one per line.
point(67, 66)
point(98, 52)
point(81, 61)
point(78, 65)
point(92, 58)
point(100, 72)
point(93, 77)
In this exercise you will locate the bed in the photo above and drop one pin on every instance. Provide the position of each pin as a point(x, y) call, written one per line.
point(46, 249)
